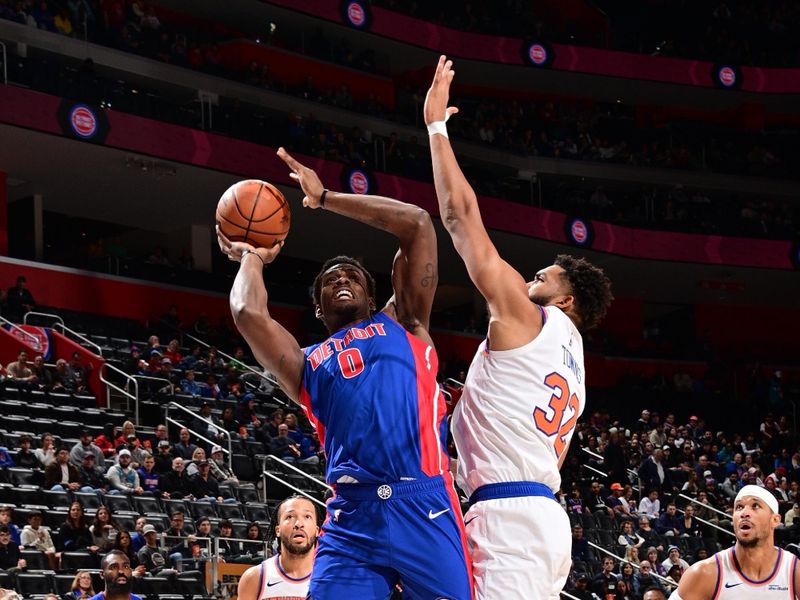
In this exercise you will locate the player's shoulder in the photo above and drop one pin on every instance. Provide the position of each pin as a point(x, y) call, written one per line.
point(700, 579)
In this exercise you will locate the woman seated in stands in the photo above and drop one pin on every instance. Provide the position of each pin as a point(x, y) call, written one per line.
point(624, 590)
point(47, 453)
point(626, 572)
point(255, 547)
point(74, 533)
point(192, 468)
point(104, 530)
point(128, 429)
point(173, 353)
point(124, 544)
point(81, 587)
point(628, 537)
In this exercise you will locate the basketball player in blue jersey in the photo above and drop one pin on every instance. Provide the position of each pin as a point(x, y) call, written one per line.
point(370, 390)
point(524, 391)
point(286, 575)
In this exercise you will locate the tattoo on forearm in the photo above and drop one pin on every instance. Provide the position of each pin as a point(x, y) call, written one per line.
point(430, 276)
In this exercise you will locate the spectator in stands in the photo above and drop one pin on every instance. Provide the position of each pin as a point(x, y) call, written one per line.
point(595, 501)
point(193, 467)
point(669, 523)
point(203, 486)
point(605, 581)
point(623, 591)
point(6, 513)
point(5, 458)
point(674, 558)
point(731, 486)
point(184, 448)
point(44, 378)
point(150, 556)
point(580, 545)
point(580, 590)
point(106, 440)
point(37, 537)
point(131, 365)
point(160, 435)
point(228, 548)
point(652, 473)
point(650, 505)
point(19, 300)
point(227, 421)
point(690, 525)
point(575, 502)
point(74, 533)
point(615, 503)
point(673, 577)
point(137, 537)
point(691, 486)
point(26, 458)
point(254, 547)
point(78, 372)
point(285, 447)
point(85, 445)
point(175, 484)
point(650, 535)
point(64, 378)
point(627, 573)
point(644, 579)
point(172, 352)
point(193, 360)
point(128, 429)
point(104, 529)
point(137, 450)
point(60, 475)
point(230, 386)
point(10, 560)
point(148, 476)
point(220, 469)
point(189, 385)
point(628, 537)
point(20, 375)
point(124, 544)
point(275, 419)
point(179, 542)
point(655, 563)
point(122, 477)
point(81, 588)
point(211, 388)
point(92, 477)
point(246, 413)
point(213, 360)
point(46, 454)
point(164, 458)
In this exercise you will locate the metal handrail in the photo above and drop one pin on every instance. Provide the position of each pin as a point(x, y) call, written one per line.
point(36, 343)
point(709, 523)
point(568, 595)
point(57, 318)
point(625, 560)
point(194, 415)
point(229, 357)
point(265, 474)
point(598, 471)
point(151, 378)
point(296, 470)
point(109, 385)
point(454, 382)
point(602, 458)
point(593, 453)
point(82, 338)
point(5, 64)
point(214, 558)
point(694, 501)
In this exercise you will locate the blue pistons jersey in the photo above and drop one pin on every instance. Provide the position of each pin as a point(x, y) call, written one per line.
point(370, 390)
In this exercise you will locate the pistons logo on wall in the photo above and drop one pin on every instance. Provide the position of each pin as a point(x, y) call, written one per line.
point(37, 338)
point(358, 181)
point(537, 53)
point(83, 122)
point(356, 14)
point(727, 77)
point(580, 232)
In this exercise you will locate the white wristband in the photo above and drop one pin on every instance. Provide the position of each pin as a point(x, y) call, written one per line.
point(438, 127)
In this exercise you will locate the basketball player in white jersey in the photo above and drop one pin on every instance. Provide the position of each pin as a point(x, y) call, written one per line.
point(287, 574)
point(754, 568)
point(524, 390)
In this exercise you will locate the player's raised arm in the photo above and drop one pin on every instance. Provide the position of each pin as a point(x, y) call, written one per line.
point(514, 318)
point(415, 271)
point(273, 347)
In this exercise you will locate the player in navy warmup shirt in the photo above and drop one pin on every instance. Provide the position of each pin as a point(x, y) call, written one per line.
point(370, 390)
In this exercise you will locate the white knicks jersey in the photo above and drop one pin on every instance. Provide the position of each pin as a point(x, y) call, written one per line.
point(732, 584)
point(519, 407)
point(277, 585)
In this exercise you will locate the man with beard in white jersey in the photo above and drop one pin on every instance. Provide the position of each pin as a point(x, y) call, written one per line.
point(524, 391)
point(754, 568)
point(287, 574)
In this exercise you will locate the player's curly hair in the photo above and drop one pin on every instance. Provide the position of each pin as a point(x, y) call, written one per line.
point(343, 260)
point(590, 287)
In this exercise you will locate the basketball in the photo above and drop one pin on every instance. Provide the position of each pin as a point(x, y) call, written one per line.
point(254, 212)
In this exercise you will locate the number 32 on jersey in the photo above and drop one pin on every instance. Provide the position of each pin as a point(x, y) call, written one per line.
point(561, 403)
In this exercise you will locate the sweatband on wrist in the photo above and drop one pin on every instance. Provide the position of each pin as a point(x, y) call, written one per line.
point(322, 198)
point(438, 127)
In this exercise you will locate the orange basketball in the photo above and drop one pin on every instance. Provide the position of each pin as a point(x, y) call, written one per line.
point(254, 212)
